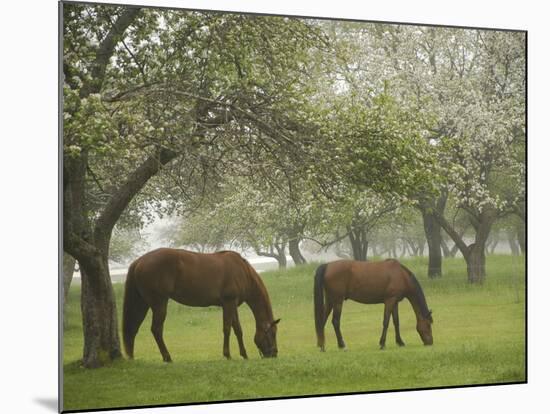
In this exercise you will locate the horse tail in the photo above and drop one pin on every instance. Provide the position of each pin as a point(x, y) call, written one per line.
point(319, 303)
point(427, 313)
point(133, 311)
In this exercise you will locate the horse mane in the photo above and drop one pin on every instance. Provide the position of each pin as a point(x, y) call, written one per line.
point(426, 313)
point(258, 283)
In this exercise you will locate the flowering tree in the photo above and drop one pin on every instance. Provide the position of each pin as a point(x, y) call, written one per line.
point(469, 84)
point(244, 214)
point(483, 151)
point(355, 216)
point(157, 106)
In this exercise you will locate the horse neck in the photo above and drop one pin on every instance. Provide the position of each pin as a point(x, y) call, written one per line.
point(415, 303)
point(418, 303)
point(258, 301)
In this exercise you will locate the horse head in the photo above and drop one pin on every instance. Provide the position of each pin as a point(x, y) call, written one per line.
point(424, 329)
point(266, 339)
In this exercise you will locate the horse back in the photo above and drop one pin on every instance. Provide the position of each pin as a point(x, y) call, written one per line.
point(194, 279)
point(366, 282)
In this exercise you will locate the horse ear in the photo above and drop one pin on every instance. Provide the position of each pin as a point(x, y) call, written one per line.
point(275, 322)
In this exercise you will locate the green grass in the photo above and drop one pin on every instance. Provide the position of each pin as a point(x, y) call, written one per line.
point(479, 338)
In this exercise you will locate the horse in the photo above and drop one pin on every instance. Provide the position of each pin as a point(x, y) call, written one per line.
point(196, 279)
point(386, 282)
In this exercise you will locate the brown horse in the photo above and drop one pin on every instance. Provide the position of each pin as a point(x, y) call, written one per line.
point(386, 282)
point(218, 279)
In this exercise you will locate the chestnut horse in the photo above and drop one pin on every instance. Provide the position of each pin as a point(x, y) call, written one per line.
point(196, 279)
point(386, 282)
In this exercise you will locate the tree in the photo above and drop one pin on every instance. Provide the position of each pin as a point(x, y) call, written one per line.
point(86, 242)
point(143, 88)
point(472, 83)
point(483, 144)
point(486, 164)
point(247, 216)
point(354, 216)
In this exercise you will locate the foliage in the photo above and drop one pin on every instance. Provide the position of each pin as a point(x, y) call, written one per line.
point(126, 245)
point(182, 80)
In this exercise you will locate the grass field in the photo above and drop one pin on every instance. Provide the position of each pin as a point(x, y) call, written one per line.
point(479, 338)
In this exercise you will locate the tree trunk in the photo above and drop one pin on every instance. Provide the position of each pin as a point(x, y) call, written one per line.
point(475, 257)
point(449, 252)
point(101, 340)
point(294, 251)
point(474, 254)
point(445, 248)
point(277, 252)
point(512, 241)
point(521, 238)
point(281, 256)
point(90, 246)
point(454, 251)
point(433, 237)
point(475, 263)
point(359, 243)
point(432, 229)
point(68, 271)
point(281, 260)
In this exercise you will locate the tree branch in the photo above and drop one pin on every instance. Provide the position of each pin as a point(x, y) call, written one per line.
point(451, 232)
point(127, 191)
point(77, 247)
point(105, 51)
point(96, 180)
point(264, 126)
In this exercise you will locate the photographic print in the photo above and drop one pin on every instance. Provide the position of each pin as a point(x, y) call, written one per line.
point(267, 206)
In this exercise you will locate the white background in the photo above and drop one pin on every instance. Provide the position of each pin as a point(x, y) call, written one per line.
point(28, 207)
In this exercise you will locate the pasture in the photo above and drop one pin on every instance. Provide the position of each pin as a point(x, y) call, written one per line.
point(479, 338)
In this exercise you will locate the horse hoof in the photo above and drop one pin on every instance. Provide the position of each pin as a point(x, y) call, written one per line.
point(344, 349)
point(382, 347)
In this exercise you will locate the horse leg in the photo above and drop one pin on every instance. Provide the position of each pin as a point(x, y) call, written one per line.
point(395, 318)
point(239, 334)
point(132, 324)
point(321, 338)
point(157, 326)
point(229, 310)
point(388, 308)
point(336, 314)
